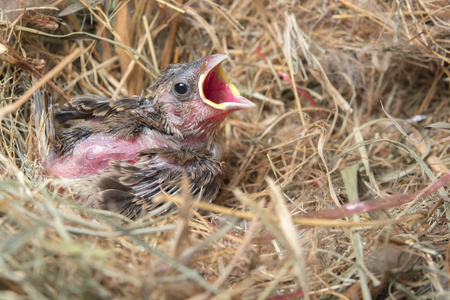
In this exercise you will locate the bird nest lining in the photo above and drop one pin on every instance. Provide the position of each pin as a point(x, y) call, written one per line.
point(325, 192)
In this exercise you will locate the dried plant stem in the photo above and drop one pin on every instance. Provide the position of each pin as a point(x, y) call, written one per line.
point(47, 77)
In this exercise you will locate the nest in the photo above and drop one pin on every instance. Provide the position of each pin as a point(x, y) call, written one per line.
point(335, 187)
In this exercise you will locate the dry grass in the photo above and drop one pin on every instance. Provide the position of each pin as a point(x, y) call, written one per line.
point(319, 140)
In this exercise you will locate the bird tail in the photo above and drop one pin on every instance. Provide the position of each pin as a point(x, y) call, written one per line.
point(44, 122)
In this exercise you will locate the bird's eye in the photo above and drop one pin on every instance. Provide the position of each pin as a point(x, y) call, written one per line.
point(181, 88)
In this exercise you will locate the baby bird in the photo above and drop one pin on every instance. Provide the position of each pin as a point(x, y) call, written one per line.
point(140, 147)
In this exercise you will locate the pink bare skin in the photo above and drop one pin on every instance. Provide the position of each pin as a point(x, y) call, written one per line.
point(94, 154)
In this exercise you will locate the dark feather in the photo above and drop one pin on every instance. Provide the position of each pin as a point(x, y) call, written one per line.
point(121, 202)
point(66, 139)
point(159, 169)
point(124, 118)
point(92, 106)
point(109, 183)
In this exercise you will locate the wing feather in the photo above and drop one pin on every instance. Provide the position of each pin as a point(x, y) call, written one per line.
point(158, 171)
point(92, 106)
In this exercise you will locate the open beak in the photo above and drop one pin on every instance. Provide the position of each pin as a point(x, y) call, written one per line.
point(215, 88)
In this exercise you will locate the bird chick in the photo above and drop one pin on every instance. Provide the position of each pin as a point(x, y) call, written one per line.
point(133, 149)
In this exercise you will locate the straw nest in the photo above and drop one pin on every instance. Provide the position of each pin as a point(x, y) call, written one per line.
point(335, 187)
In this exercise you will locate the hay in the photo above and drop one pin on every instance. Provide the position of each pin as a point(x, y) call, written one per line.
point(326, 194)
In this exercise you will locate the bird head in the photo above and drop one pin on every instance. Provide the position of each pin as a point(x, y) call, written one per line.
point(195, 97)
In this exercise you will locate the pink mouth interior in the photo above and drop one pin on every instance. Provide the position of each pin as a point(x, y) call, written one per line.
point(216, 89)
